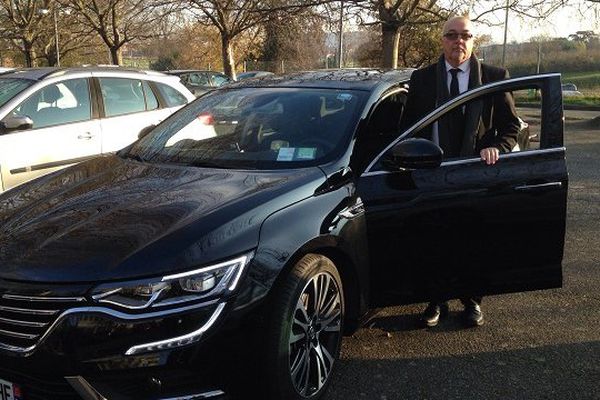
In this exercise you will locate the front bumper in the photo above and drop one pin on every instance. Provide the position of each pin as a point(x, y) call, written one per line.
point(98, 353)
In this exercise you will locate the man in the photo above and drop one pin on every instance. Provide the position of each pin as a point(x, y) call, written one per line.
point(482, 128)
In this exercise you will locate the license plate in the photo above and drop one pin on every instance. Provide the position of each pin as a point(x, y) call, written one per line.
point(9, 391)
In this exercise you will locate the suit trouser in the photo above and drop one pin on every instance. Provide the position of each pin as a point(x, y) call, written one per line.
point(466, 301)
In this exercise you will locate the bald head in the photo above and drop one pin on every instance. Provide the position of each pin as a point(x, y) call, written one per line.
point(457, 40)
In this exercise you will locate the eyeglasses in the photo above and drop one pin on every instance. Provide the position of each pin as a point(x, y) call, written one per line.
point(454, 35)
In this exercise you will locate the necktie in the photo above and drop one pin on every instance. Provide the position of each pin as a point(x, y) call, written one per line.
point(454, 82)
point(456, 122)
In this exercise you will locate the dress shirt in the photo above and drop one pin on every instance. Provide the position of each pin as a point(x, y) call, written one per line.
point(463, 77)
point(463, 85)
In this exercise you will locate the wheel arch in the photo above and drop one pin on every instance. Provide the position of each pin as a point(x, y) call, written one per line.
point(354, 298)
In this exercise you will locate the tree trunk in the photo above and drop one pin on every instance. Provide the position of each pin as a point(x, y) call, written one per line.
point(227, 53)
point(116, 56)
point(29, 52)
point(390, 37)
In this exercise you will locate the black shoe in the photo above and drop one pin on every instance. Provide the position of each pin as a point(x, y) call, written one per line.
point(473, 315)
point(433, 312)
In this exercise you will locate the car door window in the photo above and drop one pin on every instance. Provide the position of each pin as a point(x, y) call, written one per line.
point(171, 95)
point(122, 96)
point(201, 79)
point(382, 128)
point(192, 79)
point(219, 80)
point(58, 103)
point(487, 121)
point(486, 130)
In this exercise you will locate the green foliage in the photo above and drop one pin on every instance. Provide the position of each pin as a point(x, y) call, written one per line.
point(583, 80)
point(164, 63)
point(583, 101)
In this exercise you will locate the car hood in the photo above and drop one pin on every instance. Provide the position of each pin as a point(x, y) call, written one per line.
point(113, 219)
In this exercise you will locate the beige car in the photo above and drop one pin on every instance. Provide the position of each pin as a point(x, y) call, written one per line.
point(51, 117)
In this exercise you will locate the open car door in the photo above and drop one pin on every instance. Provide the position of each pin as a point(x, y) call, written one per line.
point(464, 228)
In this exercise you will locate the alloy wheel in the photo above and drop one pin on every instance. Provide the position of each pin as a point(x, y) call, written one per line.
point(315, 334)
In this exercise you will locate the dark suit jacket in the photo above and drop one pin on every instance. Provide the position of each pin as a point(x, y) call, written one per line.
point(491, 123)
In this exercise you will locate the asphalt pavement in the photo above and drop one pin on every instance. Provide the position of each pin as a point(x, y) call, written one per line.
point(535, 345)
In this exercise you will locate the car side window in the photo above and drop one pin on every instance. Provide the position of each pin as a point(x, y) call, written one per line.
point(122, 96)
point(57, 104)
point(219, 79)
point(151, 100)
point(191, 79)
point(171, 95)
point(382, 128)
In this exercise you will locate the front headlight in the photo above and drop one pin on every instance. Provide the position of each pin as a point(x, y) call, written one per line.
point(185, 287)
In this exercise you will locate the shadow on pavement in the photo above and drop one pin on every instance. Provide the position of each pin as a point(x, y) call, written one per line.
point(530, 373)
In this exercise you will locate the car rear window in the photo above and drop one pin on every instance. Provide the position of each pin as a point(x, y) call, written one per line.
point(122, 96)
point(171, 95)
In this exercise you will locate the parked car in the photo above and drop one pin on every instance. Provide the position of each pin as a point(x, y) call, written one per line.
point(233, 262)
point(525, 136)
point(51, 118)
point(200, 82)
point(4, 69)
point(253, 74)
point(570, 90)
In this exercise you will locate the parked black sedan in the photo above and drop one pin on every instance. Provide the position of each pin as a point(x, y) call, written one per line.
point(199, 81)
point(228, 250)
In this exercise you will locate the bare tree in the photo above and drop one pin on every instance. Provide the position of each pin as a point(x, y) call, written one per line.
point(294, 43)
point(393, 16)
point(397, 16)
point(119, 22)
point(70, 35)
point(21, 22)
point(233, 17)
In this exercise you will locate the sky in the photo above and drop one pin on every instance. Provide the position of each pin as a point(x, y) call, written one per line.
point(561, 23)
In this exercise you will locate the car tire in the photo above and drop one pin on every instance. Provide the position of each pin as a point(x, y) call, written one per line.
point(305, 330)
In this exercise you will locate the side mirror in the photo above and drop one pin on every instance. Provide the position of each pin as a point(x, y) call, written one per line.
point(16, 123)
point(146, 131)
point(415, 153)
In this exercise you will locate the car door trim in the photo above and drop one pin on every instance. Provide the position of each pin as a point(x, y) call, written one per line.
point(53, 164)
point(476, 160)
point(539, 186)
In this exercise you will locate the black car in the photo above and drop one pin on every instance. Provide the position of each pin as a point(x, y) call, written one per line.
point(199, 81)
point(253, 74)
point(213, 259)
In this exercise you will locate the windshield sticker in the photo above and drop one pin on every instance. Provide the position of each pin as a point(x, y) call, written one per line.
point(286, 154)
point(306, 153)
point(344, 96)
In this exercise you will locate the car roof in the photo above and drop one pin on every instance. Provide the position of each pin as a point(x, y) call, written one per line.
point(359, 79)
point(45, 72)
point(256, 72)
point(186, 71)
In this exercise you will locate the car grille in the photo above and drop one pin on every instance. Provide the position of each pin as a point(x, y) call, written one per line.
point(25, 319)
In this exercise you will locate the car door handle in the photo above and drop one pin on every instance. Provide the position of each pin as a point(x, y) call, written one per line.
point(85, 136)
point(539, 186)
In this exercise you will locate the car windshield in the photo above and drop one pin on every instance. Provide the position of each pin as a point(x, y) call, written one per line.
point(10, 87)
point(255, 128)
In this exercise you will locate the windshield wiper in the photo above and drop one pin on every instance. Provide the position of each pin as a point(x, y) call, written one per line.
point(207, 164)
